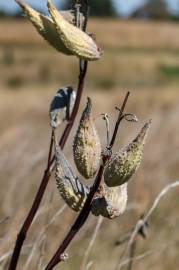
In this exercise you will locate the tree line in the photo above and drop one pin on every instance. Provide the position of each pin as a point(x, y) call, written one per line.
point(152, 9)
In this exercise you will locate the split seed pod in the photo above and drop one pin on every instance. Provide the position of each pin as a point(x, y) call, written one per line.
point(112, 204)
point(46, 27)
point(71, 189)
point(87, 147)
point(124, 164)
point(61, 106)
point(74, 39)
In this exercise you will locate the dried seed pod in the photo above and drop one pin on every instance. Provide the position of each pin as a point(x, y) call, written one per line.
point(87, 147)
point(46, 27)
point(124, 164)
point(71, 189)
point(62, 106)
point(112, 203)
point(74, 39)
point(69, 16)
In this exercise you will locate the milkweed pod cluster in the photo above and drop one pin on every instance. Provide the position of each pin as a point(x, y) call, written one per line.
point(71, 189)
point(112, 203)
point(86, 146)
point(46, 27)
point(61, 106)
point(75, 40)
point(123, 165)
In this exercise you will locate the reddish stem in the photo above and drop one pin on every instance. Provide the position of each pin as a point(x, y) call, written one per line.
point(82, 217)
point(28, 221)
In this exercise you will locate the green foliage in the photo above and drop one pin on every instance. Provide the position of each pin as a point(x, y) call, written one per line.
point(170, 71)
point(102, 8)
point(2, 14)
point(158, 9)
point(14, 82)
point(8, 57)
point(153, 9)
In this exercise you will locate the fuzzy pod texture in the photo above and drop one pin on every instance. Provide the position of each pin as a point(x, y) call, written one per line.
point(46, 27)
point(123, 165)
point(75, 40)
point(86, 146)
point(61, 106)
point(70, 187)
point(112, 203)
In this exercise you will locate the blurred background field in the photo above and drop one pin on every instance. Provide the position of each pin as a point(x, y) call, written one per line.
point(140, 56)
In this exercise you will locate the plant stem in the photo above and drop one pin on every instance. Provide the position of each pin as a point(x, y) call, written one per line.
point(120, 117)
point(50, 164)
point(83, 215)
point(131, 255)
point(50, 149)
point(28, 221)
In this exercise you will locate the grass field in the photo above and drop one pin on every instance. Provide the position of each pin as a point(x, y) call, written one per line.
point(140, 57)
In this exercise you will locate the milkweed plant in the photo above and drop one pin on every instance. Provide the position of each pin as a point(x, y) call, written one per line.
point(108, 173)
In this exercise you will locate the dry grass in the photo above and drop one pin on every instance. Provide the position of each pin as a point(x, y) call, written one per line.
point(136, 55)
point(124, 34)
point(30, 74)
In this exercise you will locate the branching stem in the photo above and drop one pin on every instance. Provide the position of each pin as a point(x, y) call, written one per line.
point(83, 215)
point(120, 117)
point(50, 166)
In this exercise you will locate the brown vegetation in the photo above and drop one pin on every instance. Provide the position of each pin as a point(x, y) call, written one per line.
point(138, 57)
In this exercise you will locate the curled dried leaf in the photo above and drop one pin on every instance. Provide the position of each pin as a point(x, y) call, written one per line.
point(124, 164)
point(61, 106)
point(87, 147)
point(71, 189)
point(112, 203)
point(74, 39)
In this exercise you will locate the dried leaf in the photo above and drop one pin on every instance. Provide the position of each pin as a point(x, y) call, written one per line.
point(62, 106)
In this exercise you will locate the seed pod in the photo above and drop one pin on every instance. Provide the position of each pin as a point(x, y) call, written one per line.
point(71, 189)
point(86, 147)
point(124, 164)
point(112, 203)
point(46, 27)
point(74, 39)
point(69, 16)
point(61, 106)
